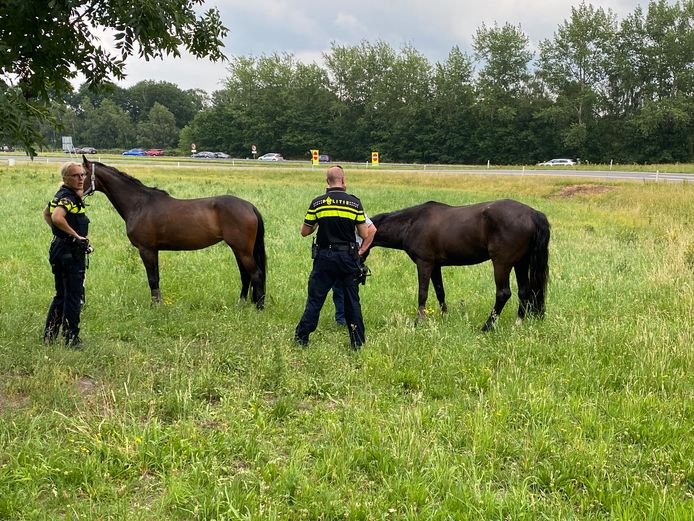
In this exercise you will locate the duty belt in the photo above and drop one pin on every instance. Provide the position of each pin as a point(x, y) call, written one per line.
point(339, 247)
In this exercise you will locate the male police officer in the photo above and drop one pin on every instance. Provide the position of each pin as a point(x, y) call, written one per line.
point(336, 257)
point(70, 225)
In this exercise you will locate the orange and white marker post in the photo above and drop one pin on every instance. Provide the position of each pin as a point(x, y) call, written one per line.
point(374, 158)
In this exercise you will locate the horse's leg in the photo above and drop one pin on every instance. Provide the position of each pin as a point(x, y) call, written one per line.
point(502, 274)
point(245, 278)
point(253, 276)
point(150, 258)
point(524, 292)
point(424, 269)
point(437, 281)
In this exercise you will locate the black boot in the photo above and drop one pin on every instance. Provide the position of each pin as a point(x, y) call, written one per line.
point(72, 340)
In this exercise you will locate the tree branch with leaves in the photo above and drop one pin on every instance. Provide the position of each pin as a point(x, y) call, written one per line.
point(45, 44)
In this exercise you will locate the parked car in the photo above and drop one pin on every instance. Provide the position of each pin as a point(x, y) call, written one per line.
point(221, 155)
point(272, 156)
point(558, 162)
point(203, 155)
point(154, 152)
point(324, 158)
point(134, 152)
point(85, 150)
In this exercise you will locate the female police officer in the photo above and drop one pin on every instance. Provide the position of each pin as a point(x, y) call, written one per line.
point(65, 214)
point(335, 214)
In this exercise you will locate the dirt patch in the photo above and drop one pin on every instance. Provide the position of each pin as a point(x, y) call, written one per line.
point(11, 401)
point(573, 190)
point(85, 385)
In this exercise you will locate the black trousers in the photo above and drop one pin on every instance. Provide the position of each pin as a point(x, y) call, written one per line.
point(331, 267)
point(68, 267)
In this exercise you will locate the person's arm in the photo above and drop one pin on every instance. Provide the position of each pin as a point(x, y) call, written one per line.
point(58, 218)
point(307, 230)
point(47, 216)
point(366, 241)
point(362, 230)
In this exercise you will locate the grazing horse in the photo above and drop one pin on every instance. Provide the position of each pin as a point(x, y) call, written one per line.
point(510, 234)
point(156, 221)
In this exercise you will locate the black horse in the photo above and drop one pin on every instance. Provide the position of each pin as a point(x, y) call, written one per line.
point(510, 234)
point(156, 221)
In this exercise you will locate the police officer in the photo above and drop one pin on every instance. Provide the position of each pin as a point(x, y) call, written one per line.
point(335, 215)
point(66, 216)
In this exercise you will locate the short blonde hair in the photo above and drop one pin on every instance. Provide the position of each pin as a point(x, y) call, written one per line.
point(65, 169)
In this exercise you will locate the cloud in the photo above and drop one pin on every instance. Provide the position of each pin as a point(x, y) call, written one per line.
point(306, 28)
point(350, 23)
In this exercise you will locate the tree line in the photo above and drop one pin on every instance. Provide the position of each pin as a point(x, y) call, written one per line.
point(599, 89)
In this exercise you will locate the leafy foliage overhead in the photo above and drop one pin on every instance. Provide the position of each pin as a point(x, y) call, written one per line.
point(45, 44)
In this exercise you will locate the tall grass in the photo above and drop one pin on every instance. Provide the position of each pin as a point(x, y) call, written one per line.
point(202, 408)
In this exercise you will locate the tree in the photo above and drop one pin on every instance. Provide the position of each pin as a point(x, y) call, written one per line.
point(106, 126)
point(452, 105)
point(46, 44)
point(183, 104)
point(502, 86)
point(159, 129)
point(357, 75)
point(575, 66)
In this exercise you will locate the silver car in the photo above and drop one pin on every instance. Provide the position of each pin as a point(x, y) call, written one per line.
point(272, 156)
point(558, 162)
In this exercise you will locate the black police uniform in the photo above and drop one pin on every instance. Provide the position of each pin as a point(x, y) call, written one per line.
point(68, 262)
point(336, 261)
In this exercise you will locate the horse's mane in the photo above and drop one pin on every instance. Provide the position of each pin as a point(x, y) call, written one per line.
point(132, 180)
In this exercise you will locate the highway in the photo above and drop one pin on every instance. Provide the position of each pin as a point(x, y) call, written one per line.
point(384, 168)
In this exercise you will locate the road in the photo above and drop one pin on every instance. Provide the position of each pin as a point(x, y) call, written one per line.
point(617, 175)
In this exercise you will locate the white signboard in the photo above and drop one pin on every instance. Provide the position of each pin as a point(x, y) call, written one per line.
point(67, 145)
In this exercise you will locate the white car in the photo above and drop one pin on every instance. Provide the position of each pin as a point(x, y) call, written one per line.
point(558, 162)
point(272, 156)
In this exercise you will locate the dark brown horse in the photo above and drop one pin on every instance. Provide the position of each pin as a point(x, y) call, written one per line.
point(511, 234)
point(156, 221)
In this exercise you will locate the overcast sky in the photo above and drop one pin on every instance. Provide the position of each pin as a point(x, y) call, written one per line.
point(306, 29)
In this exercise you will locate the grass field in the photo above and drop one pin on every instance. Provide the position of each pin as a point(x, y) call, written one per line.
point(202, 408)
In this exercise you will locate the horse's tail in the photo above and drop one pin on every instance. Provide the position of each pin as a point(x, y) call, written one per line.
point(539, 264)
point(260, 259)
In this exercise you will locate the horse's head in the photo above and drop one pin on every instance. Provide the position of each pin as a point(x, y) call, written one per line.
point(91, 184)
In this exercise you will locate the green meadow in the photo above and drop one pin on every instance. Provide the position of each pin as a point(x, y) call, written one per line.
point(203, 408)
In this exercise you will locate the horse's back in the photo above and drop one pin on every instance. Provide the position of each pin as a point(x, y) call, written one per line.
point(474, 233)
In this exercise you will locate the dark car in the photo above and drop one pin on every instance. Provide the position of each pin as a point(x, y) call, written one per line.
point(324, 158)
point(134, 152)
point(203, 155)
point(154, 152)
point(85, 150)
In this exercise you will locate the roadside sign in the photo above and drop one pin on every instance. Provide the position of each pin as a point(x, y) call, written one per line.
point(374, 158)
point(193, 147)
point(314, 157)
point(253, 149)
point(67, 145)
